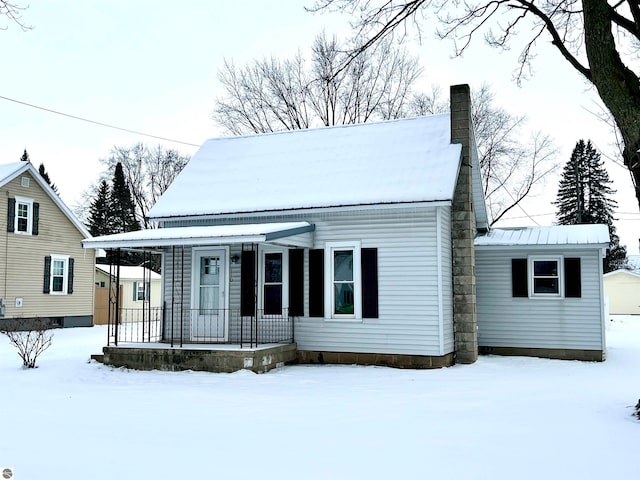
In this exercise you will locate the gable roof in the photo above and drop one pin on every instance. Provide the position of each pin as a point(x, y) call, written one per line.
point(623, 271)
point(576, 235)
point(9, 171)
point(397, 161)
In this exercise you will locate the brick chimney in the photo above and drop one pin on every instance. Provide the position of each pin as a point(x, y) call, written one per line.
point(463, 230)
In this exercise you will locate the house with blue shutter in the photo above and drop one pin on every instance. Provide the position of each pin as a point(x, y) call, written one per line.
point(44, 271)
point(350, 244)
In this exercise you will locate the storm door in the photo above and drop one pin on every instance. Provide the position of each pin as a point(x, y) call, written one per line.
point(210, 319)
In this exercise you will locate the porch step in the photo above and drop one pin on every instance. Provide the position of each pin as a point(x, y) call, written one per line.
point(98, 357)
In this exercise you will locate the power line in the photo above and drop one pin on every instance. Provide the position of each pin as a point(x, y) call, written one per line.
point(96, 122)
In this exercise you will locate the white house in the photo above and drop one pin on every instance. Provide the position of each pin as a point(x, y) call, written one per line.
point(348, 244)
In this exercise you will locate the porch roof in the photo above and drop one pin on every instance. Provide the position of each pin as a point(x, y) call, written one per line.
point(279, 233)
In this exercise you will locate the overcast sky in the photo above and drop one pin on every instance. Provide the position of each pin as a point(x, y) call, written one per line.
point(150, 66)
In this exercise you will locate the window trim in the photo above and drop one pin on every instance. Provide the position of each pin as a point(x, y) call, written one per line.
point(559, 259)
point(65, 277)
point(263, 251)
point(29, 202)
point(329, 290)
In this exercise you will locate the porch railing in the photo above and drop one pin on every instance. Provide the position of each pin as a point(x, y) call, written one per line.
point(179, 326)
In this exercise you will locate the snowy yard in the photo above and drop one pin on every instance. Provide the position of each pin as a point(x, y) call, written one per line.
point(501, 418)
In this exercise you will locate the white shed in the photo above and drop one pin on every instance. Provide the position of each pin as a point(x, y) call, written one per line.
point(622, 289)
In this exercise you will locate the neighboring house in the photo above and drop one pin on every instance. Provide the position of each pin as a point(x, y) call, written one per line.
point(44, 272)
point(622, 290)
point(351, 244)
point(137, 284)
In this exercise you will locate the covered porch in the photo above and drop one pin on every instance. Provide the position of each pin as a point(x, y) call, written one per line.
point(224, 291)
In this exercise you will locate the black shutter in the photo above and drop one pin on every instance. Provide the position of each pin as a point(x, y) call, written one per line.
point(369, 259)
point(572, 278)
point(11, 215)
point(247, 283)
point(519, 281)
point(70, 277)
point(47, 275)
point(316, 283)
point(36, 218)
point(296, 283)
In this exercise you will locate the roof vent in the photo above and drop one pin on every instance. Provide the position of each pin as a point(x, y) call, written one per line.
point(24, 181)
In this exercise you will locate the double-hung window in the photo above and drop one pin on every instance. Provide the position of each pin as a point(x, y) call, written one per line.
point(545, 276)
point(343, 280)
point(59, 278)
point(274, 276)
point(141, 291)
point(23, 220)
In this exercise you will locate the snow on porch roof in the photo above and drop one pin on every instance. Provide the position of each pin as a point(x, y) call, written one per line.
point(577, 235)
point(209, 235)
point(397, 161)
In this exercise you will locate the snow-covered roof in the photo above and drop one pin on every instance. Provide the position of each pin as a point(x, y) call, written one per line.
point(9, 171)
point(623, 271)
point(595, 235)
point(211, 235)
point(132, 273)
point(407, 160)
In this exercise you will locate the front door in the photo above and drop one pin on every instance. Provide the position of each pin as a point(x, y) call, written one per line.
point(209, 319)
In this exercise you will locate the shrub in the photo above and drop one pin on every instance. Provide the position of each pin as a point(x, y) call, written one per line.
point(31, 338)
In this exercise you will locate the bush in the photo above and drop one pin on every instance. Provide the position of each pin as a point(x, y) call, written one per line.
point(30, 337)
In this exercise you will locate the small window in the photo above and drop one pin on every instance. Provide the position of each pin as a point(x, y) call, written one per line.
point(274, 291)
point(24, 215)
point(24, 181)
point(546, 276)
point(141, 291)
point(59, 275)
point(273, 283)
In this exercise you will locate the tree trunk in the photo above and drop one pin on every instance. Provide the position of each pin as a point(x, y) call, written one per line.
point(618, 87)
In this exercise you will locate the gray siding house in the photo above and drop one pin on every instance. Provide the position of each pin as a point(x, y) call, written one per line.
point(347, 244)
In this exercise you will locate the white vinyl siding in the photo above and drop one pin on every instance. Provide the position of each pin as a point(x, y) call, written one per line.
point(408, 301)
point(553, 322)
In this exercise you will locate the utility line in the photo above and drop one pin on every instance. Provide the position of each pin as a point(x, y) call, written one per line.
point(97, 123)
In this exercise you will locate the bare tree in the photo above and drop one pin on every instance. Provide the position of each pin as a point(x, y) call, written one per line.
point(31, 337)
point(270, 95)
point(598, 38)
point(512, 164)
point(148, 173)
point(13, 11)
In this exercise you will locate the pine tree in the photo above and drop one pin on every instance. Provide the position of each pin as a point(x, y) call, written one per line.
point(585, 197)
point(99, 212)
point(123, 217)
point(45, 175)
point(25, 156)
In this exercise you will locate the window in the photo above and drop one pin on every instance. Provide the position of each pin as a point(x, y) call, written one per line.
point(546, 277)
point(273, 283)
point(343, 286)
point(58, 275)
point(24, 208)
point(274, 295)
point(141, 291)
point(22, 216)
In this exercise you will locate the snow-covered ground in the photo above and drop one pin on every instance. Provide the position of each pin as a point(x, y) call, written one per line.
point(501, 418)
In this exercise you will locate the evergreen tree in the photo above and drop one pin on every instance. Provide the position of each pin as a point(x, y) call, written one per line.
point(123, 217)
point(45, 175)
point(25, 156)
point(585, 197)
point(99, 212)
